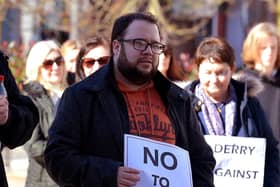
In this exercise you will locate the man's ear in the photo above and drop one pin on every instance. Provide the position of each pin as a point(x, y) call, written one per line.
point(116, 47)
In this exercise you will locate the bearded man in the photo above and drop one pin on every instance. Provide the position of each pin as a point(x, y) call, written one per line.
point(126, 96)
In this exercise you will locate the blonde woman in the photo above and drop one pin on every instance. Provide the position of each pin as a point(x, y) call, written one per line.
point(261, 56)
point(46, 81)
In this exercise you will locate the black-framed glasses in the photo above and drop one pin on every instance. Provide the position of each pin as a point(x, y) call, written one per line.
point(47, 64)
point(142, 45)
point(89, 62)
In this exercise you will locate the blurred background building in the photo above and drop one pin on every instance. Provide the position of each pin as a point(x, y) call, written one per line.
point(26, 21)
point(22, 22)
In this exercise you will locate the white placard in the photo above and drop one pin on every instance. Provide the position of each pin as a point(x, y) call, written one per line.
point(161, 164)
point(239, 160)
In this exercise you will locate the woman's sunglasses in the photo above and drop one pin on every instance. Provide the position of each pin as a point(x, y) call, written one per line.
point(47, 64)
point(89, 62)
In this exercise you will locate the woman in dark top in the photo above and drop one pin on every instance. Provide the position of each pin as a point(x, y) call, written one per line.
point(227, 107)
point(261, 56)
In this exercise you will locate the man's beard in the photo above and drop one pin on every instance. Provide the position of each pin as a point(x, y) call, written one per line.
point(130, 72)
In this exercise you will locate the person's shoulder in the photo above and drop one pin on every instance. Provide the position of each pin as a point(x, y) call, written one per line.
point(249, 78)
point(276, 78)
point(1, 54)
point(32, 86)
point(4, 59)
point(34, 89)
point(92, 83)
point(178, 93)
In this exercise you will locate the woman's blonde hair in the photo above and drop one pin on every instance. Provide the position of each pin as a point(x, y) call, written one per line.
point(256, 36)
point(35, 59)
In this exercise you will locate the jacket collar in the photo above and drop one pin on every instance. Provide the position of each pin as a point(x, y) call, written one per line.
point(100, 79)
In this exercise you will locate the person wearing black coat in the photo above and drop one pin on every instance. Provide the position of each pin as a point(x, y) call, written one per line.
point(22, 116)
point(86, 140)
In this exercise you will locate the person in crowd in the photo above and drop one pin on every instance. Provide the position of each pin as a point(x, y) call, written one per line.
point(45, 83)
point(225, 107)
point(165, 61)
point(69, 51)
point(261, 56)
point(177, 65)
point(18, 115)
point(183, 68)
point(94, 54)
point(85, 146)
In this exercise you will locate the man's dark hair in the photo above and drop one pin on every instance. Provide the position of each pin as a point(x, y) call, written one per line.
point(121, 23)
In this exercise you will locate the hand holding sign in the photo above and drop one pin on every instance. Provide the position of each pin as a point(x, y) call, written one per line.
point(127, 177)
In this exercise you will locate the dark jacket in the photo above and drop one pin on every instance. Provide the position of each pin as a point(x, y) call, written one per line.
point(85, 146)
point(23, 116)
point(269, 99)
point(251, 123)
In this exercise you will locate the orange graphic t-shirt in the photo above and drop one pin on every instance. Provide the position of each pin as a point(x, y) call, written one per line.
point(147, 114)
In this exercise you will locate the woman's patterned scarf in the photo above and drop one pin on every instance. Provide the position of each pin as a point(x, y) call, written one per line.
point(213, 118)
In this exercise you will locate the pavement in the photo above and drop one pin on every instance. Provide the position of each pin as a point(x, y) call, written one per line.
point(16, 163)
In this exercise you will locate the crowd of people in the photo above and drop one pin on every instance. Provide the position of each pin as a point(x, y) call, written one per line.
point(80, 98)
